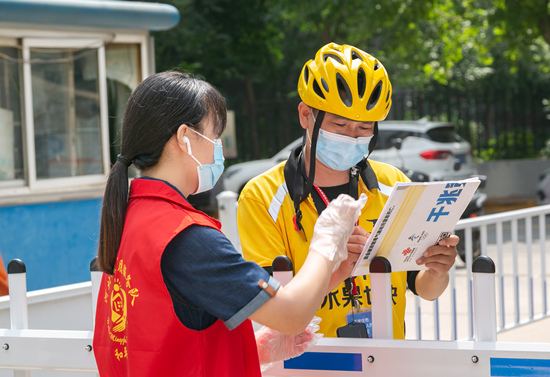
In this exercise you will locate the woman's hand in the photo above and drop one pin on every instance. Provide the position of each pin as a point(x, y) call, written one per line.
point(274, 346)
point(355, 245)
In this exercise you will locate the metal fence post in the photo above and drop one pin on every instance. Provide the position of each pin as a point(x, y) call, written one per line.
point(96, 276)
point(485, 315)
point(382, 317)
point(227, 214)
point(17, 281)
point(19, 311)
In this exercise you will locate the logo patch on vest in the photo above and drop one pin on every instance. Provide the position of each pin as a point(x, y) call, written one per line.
point(119, 296)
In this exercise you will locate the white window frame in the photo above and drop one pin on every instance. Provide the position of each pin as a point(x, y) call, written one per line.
point(32, 190)
point(29, 43)
point(143, 40)
point(13, 42)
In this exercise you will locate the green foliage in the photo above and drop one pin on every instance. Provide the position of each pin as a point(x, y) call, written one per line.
point(454, 42)
point(221, 39)
point(507, 147)
point(253, 51)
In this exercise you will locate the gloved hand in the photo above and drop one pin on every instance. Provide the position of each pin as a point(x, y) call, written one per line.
point(334, 226)
point(274, 346)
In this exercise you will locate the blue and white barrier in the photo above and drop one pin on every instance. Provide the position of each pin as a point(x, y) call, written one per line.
point(381, 356)
point(70, 351)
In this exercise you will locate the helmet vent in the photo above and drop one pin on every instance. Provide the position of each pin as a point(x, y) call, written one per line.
point(332, 56)
point(343, 90)
point(375, 96)
point(361, 82)
point(377, 66)
point(325, 85)
point(355, 55)
point(317, 90)
point(306, 74)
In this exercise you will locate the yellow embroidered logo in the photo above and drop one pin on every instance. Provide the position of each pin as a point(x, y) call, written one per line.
point(119, 308)
point(121, 297)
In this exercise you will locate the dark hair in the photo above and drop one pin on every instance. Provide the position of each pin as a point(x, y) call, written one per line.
point(153, 114)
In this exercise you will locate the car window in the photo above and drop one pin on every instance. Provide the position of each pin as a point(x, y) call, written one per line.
point(444, 135)
point(386, 138)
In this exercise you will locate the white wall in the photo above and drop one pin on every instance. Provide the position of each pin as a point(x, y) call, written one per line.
point(512, 178)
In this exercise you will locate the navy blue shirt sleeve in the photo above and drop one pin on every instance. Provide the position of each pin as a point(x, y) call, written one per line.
point(411, 281)
point(208, 279)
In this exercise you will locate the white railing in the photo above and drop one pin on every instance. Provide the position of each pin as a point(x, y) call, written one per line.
point(53, 344)
point(383, 356)
point(70, 352)
point(519, 250)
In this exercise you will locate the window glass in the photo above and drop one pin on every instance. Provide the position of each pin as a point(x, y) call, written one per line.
point(390, 138)
point(11, 135)
point(66, 112)
point(123, 75)
point(444, 135)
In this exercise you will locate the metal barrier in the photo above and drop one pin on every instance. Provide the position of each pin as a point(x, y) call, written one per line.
point(508, 238)
point(509, 253)
point(381, 356)
point(24, 350)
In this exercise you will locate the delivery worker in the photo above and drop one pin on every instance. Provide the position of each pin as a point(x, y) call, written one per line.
point(175, 296)
point(345, 92)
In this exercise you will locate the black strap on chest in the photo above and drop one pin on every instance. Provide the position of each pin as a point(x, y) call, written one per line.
point(351, 188)
point(296, 179)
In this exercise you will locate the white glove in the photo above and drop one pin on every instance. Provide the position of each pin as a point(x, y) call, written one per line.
point(334, 226)
point(274, 346)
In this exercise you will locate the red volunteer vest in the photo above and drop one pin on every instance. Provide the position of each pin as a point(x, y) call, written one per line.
point(137, 332)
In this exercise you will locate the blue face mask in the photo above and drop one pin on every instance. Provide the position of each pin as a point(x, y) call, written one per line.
point(340, 152)
point(208, 174)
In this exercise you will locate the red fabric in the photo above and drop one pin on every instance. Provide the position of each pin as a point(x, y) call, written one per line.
point(4, 289)
point(137, 332)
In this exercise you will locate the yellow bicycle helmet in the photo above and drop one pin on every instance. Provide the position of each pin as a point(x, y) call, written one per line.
point(348, 82)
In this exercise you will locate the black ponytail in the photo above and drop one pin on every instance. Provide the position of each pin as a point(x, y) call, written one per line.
point(153, 114)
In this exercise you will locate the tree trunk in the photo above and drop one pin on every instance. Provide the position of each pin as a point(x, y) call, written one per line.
point(544, 28)
point(252, 119)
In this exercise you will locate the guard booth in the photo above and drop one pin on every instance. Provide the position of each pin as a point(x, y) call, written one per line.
point(66, 71)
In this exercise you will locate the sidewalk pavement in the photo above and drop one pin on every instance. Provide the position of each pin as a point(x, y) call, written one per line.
point(508, 204)
point(535, 332)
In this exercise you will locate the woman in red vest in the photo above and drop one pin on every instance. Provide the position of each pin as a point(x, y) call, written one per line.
point(176, 297)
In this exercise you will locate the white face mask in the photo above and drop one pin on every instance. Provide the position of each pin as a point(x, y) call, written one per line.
point(340, 152)
point(208, 174)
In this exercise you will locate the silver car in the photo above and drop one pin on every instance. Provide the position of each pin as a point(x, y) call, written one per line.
point(432, 148)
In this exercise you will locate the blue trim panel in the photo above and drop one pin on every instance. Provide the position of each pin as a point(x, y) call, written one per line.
point(56, 240)
point(91, 13)
point(520, 367)
point(345, 362)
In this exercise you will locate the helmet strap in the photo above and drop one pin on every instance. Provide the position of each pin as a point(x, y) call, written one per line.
point(372, 143)
point(312, 153)
point(298, 195)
